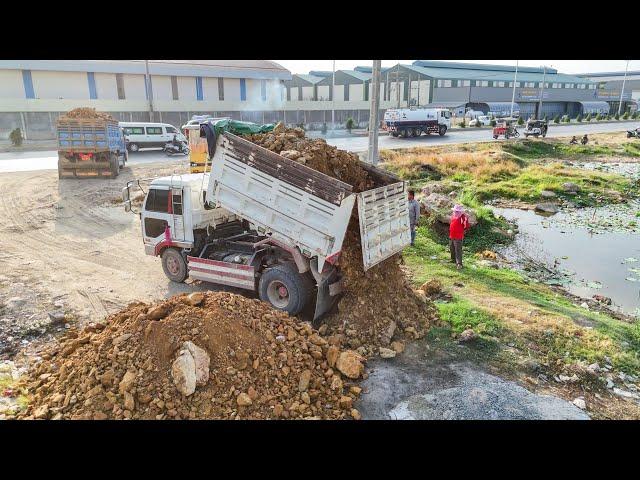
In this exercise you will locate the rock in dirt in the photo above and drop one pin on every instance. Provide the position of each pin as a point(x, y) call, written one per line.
point(244, 400)
point(570, 187)
point(183, 372)
point(201, 360)
point(387, 352)
point(350, 364)
point(547, 194)
point(432, 287)
point(158, 312)
point(195, 298)
point(467, 335)
point(397, 346)
point(580, 403)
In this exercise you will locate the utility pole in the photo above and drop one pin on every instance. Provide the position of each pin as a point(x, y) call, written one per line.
point(374, 111)
point(333, 97)
point(513, 94)
point(624, 80)
point(398, 83)
point(149, 90)
point(544, 76)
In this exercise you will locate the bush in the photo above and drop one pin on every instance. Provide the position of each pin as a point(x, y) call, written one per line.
point(556, 119)
point(520, 121)
point(324, 128)
point(598, 117)
point(579, 118)
point(617, 117)
point(587, 118)
point(566, 119)
point(625, 116)
point(349, 124)
point(463, 124)
point(635, 114)
point(16, 137)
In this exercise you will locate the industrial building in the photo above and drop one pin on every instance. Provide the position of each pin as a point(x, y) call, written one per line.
point(612, 82)
point(34, 92)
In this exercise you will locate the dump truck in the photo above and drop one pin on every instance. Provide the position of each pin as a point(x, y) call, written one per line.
point(262, 222)
point(90, 147)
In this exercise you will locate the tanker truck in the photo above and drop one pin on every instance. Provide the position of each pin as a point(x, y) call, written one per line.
point(412, 122)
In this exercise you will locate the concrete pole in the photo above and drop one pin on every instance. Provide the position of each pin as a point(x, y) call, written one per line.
point(544, 76)
point(374, 111)
point(149, 89)
point(333, 97)
point(398, 84)
point(513, 94)
point(624, 80)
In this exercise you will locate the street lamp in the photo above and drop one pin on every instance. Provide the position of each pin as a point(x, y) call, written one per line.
point(624, 80)
point(373, 112)
point(513, 94)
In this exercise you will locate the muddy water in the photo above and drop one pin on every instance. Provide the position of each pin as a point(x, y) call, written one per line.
point(593, 251)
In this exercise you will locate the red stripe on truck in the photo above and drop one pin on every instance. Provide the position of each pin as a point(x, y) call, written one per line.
point(218, 263)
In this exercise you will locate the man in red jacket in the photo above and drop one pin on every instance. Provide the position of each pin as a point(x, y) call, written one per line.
point(458, 225)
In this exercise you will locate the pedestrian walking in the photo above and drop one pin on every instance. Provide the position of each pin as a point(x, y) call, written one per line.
point(414, 215)
point(458, 226)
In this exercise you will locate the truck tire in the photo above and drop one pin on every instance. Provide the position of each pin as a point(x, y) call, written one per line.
point(395, 134)
point(114, 165)
point(174, 265)
point(285, 288)
point(416, 132)
point(133, 147)
point(404, 133)
point(442, 130)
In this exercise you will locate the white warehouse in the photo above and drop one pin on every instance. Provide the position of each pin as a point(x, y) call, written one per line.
point(33, 93)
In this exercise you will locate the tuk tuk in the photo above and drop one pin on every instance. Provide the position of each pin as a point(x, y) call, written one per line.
point(506, 127)
point(536, 128)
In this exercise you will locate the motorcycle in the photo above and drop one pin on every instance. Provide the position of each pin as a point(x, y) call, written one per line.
point(170, 148)
point(633, 133)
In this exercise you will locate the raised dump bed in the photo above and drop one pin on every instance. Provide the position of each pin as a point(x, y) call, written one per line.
point(89, 147)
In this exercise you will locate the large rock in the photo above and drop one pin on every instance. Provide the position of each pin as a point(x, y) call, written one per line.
point(183, 372)
point(570, 187)
point(158, 312)
point(547, 194)
point(440, 206)
point(201, 359)
point(547, 207)
point(127, 381)
point(350, 364)
point(387, 352)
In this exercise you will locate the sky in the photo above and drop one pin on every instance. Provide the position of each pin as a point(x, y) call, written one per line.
point(563, 66)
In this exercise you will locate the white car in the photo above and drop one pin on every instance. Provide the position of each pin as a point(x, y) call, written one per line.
point(149, 135)
point(483, 119)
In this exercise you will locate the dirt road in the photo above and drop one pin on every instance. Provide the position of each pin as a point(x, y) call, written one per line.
point(69, 247)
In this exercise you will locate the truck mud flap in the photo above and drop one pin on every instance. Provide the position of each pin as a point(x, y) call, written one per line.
point(329, 292)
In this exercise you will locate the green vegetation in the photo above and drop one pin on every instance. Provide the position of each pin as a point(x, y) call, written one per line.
point(566, 119)
point(349, 124)
point(520, 121)
point(463, 124)
point(16, 137)
point(579, 118)
point(494, 302)
point(617, 116)
point(625, 116)
point(598, 117)
point(587, 118)
point(556, 119)
point(324, 128)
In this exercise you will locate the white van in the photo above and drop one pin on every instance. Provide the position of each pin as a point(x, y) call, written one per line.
point(149, 135)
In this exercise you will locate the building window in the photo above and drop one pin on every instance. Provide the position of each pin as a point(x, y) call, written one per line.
point(482, 83)
point(499, 84)
point(91, 78)
point(568, 85)
point(592, 86)
point(120, 85)
point(243, 89)
point(199, 95)
point(263, 90)
point(221, 89)
point(28, 84)
point(174, 87)
point(465, 83)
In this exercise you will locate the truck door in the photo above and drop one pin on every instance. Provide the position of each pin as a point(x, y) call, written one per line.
point(384, 222)
point(162, 209)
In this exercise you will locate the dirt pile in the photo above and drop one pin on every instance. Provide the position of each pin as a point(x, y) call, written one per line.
point(379, 305)
point(88, 113)
point(259, 363)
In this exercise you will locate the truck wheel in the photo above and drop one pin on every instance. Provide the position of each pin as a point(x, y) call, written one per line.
point(285, 288)
point(416, 132)
point(442, 130)
point(395, 134)
point(133, 147)
point(495, 137)
point(174, 266)
point(114, 164)
point(404, 133)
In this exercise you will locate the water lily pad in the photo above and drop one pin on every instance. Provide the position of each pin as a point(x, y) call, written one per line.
point(630, 260)
point(594, 285)
point(635, 270)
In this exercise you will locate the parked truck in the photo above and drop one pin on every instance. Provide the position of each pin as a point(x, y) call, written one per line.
point(265, 223)
point(412, 122)
point(90, 147)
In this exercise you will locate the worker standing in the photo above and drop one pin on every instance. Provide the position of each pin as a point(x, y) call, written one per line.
point(414, 215)
point(458, 225)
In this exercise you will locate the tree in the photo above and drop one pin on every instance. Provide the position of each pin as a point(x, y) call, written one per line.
point(625, 116)
point(16, 137)
point(617, 117)
point(520, 121)
point(566, 119)
point(598, 117)
point(463, 123)
point(349, 124)
point(579, 118)
point(556, 119)
point(588, 117)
